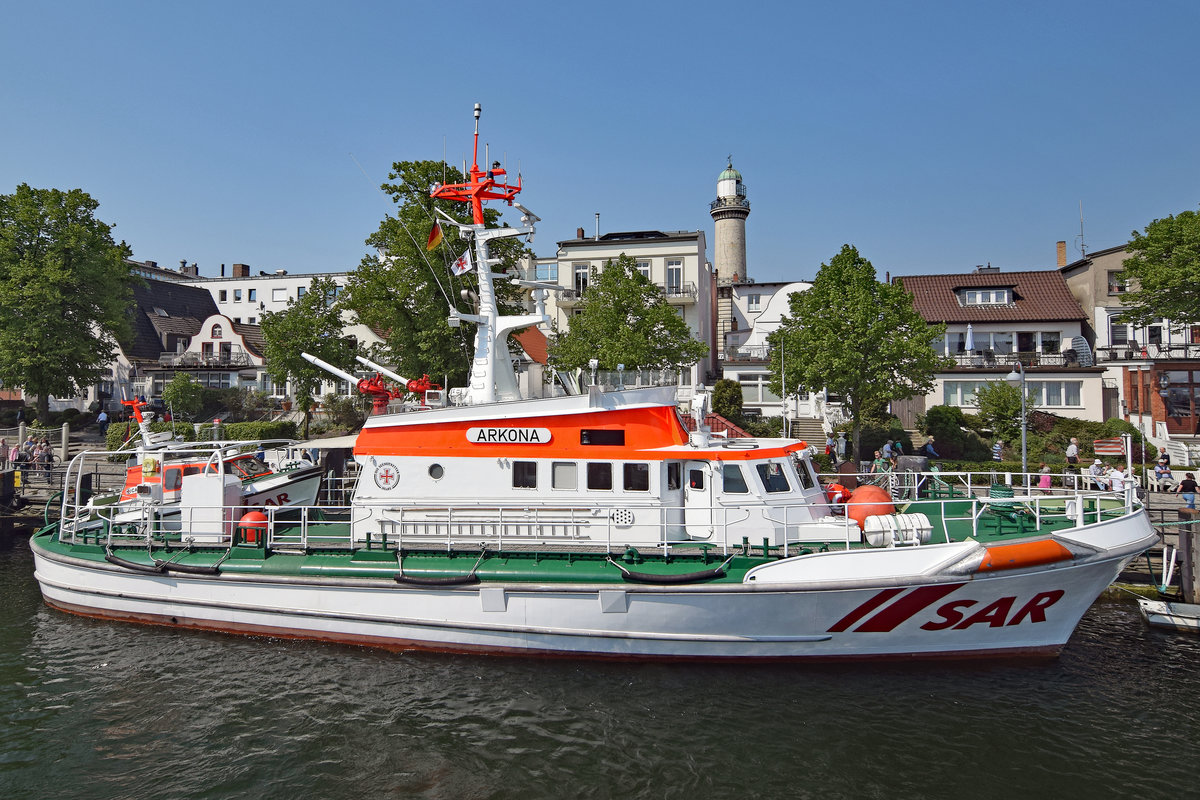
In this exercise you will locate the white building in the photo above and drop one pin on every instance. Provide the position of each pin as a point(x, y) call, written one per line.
point(674, 261)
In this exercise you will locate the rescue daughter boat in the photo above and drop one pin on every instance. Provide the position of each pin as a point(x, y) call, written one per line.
point(597, 525)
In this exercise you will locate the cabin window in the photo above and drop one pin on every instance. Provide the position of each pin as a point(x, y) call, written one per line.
point(804, 472)
point(599, 476)
point(774, 479)
point(172, 480)
point(524, 475)
point(674, 475)
point(563, 475)
point(637, 477)
point(695, 479)
point(602, 437)
point(436, 472)
point(735, 481)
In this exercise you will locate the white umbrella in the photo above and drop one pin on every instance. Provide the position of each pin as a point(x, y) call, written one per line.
point(970, 338)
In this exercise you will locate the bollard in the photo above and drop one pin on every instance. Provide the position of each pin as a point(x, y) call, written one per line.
point(63, 450)
point(1189, 547)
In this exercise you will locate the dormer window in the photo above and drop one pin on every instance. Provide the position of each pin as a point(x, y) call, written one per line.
point(216, 332)
point(986, 297)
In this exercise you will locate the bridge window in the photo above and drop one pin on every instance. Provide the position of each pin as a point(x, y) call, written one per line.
point(563, 475)
point(674, 475)
point(637, 477)
point(602, 437)
point(735, 481)
point(773, 478)
point(524, 475)
point(599, 476)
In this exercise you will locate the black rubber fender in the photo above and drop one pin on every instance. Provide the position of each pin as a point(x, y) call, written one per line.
point(453, 580)
point(133, 566)
point(687, 577)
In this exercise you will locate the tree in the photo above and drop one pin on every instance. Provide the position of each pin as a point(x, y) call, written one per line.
point(184, 395)
point(727, 399)
point(65, 292)
point(625, 319)
point(313, 325)
point(406, 292)
point(999, 404)
point(857, 338)
point(1164, 271)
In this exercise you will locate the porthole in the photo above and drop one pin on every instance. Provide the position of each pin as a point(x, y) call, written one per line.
point(436, 471)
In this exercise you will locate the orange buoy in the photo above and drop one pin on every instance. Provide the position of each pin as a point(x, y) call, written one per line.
point(253, 524)
point(868, 501)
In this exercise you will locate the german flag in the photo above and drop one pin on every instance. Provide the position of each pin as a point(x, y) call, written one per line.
point(435, 237)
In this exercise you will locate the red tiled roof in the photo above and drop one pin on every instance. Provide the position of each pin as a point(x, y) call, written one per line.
point(1037, 296)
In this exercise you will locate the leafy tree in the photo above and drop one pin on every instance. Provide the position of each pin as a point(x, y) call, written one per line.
point(313, 325)
point(1164, 270)
point(65, 291)
point(184, 395)
point(727, 399)
point(999, 404)
point(625, 319)
point(406, 292)
point(856, 337)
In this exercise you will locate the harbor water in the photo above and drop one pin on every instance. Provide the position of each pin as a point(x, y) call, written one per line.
point(97, 710)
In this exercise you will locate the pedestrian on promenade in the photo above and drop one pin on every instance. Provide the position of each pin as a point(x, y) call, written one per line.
point(1044, 480)
point(1187, 488)
point(929, 450)
point(998, 451)
point(102, 422)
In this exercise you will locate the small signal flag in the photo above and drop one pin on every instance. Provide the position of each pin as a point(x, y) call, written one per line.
point(435, 237)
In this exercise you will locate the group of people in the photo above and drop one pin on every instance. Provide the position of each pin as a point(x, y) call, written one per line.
point(36, 453)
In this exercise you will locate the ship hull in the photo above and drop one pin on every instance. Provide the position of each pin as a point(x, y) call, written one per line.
point(1030, 611)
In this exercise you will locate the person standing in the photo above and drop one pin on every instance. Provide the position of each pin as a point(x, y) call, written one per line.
point(1187, 488)
point(1073, 452)
point(1044, 479)
point(102, 422)
point(829, 445)
point(929, 450)
point(998, 451)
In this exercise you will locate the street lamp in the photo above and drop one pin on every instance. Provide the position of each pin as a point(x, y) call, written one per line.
point(1015, 379)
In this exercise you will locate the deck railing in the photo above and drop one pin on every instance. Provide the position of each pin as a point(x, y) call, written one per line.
point(968, 501)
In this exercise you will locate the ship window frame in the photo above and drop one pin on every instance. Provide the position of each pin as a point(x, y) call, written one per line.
point(770, 483)
point(674, 476)
point(598, 474)
point(527, 472)
point(636, 476)
point(436, 471)
point(560, 470)
point(732, 478)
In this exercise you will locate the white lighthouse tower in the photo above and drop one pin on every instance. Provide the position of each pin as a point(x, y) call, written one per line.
point(729, 212)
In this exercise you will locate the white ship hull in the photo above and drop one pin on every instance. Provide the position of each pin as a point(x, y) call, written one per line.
point(1026, 611)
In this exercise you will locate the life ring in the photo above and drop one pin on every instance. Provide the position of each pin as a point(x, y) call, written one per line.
point(149, 465)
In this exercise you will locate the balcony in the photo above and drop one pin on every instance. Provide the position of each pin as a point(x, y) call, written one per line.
point(677, 293)
point(1149, 352)
point(233, 360)
point(986, 359)
point(746, 354)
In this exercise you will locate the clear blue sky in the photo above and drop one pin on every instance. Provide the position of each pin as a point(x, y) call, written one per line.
point(933, 136)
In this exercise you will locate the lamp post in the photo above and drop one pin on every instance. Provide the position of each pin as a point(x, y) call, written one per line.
point(1015, 379)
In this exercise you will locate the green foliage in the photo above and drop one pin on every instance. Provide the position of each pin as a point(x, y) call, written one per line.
point(344, 413)
point(727, 399)
point(762, 427)
point(1164, 271)
point(946, 424)
point(121, 432)
point(626, 320)
point(999, 406)
point(873, 435)
point(65, 290)
point(183, 395)
point(406, 292)
point(856, 337)
point(280, 429)
point(313, 325)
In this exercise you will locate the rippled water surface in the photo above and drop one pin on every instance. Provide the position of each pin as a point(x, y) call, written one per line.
point(96, 710)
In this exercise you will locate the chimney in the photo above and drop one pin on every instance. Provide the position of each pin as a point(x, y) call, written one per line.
point(241, 270)
point(1062, 254)
point(182, 264)
point(152, 264)
point(222, 270)
point(597, 226)
point(579, 233)
point(191, 270)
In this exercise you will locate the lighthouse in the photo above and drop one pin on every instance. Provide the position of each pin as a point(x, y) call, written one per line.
point(729, 212)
